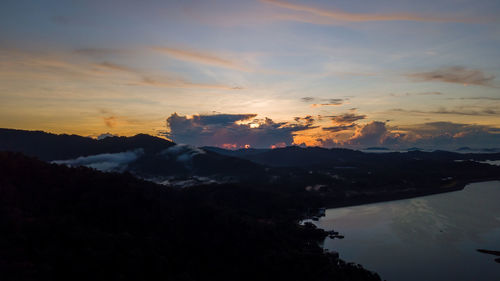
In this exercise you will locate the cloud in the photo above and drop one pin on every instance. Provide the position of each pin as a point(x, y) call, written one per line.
point(417, 94)
point(309, 120)
point(341, 16)
point(98, 52)
point(339, 128)
point(105, 135)
point(323, 102)
point(201, 57)
point(232, 130)
point(27, 66)
point(429, 94)
point(166, 82)
point(373, 133)
point(107, 162)
point(115, 67)
point(110, 121)
point(180, 83)
point(182, 153)
point(479, 98)
point(347, 118)
point(457, 111)
point(449, 135)
point(455, 74)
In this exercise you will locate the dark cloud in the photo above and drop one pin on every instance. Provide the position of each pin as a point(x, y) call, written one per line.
point(479, 98)
point(347, 118)
point(456, 111)
point(221, 119)
point(455, 74)
point(339, 128)
point(308, 119)
point(322, 102)
point(224, 130)
point(429, 94)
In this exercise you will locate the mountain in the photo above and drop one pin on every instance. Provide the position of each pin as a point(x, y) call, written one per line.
point(336, 176)
point(143, 155)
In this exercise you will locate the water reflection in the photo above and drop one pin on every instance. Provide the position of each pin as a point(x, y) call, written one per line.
point(448, 218)
point(427, 238)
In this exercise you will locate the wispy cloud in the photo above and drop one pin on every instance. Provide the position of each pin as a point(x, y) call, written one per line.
point(479, 98)
point(322, 102)
point(180, 83)
point(417, 94)
point(342, 16)
point(455, 74)
point(201, 57)
point(98, 52)
point(28, 66)
point(457, 111)
point(114, 67)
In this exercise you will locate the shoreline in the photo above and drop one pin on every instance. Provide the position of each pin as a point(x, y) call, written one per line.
point(388, 197)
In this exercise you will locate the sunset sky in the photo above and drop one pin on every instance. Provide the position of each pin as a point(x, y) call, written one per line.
point(263, 73)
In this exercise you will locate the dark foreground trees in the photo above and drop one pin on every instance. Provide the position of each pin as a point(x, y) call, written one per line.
point(59, 223)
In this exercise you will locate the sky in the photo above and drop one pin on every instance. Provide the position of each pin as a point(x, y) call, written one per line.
point(263, 73)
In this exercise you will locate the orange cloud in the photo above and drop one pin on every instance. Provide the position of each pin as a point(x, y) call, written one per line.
point(110, 121)
point(181, 84)
point(201, 57)
point(229, 146)
point(342, 16)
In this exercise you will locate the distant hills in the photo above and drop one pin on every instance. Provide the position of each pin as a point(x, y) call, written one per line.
point(340, 172)
point(295, 156)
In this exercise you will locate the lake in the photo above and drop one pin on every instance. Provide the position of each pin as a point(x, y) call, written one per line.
point(425, 238)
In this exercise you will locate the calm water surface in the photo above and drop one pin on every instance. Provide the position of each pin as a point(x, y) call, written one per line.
point(426, 238)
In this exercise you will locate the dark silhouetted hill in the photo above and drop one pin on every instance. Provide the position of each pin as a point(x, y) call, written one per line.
point(60, 223)
point(294, 156)
point(156, 161)
point(48, 147)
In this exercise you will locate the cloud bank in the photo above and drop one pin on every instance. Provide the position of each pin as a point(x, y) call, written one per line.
point(433, 135)
point(233, 130)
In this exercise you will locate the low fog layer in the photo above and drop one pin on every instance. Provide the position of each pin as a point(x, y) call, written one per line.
point(107, 162)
